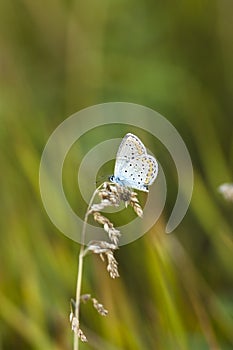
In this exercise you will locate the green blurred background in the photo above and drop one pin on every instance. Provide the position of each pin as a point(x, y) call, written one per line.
point(57, 57)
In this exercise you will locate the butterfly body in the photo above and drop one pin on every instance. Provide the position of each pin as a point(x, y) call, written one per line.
point(134, 168)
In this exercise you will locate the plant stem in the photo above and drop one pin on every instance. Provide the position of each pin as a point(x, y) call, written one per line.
point(80, 267)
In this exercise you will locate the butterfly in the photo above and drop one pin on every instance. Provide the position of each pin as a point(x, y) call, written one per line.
point(134, 168)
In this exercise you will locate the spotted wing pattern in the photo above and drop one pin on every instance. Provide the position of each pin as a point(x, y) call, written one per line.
point(134, 167)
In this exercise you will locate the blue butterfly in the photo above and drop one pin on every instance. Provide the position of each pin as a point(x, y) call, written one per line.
point(134, 168)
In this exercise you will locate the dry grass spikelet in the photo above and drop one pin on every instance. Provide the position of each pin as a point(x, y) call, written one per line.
point(112, 266)
point(97, 305)
point(108, 226)
point(134, 202)
point(110, 193)
point(75, 328)
point(105, 249)
point(113, 194)
point(100, 247)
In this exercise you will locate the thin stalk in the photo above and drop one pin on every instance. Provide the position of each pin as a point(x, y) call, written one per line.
point(80, 267)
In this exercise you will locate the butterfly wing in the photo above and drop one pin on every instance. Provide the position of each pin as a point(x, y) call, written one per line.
point(134, 167)
point(141, 173)
point(150, 169)
point(130, 148)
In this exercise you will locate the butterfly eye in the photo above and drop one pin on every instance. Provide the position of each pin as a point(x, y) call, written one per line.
point(111, 178)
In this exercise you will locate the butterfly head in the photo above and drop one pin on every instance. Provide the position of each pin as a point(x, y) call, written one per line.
point(112, 178)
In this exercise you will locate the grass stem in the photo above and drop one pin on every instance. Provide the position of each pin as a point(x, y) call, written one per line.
point(80, 268)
